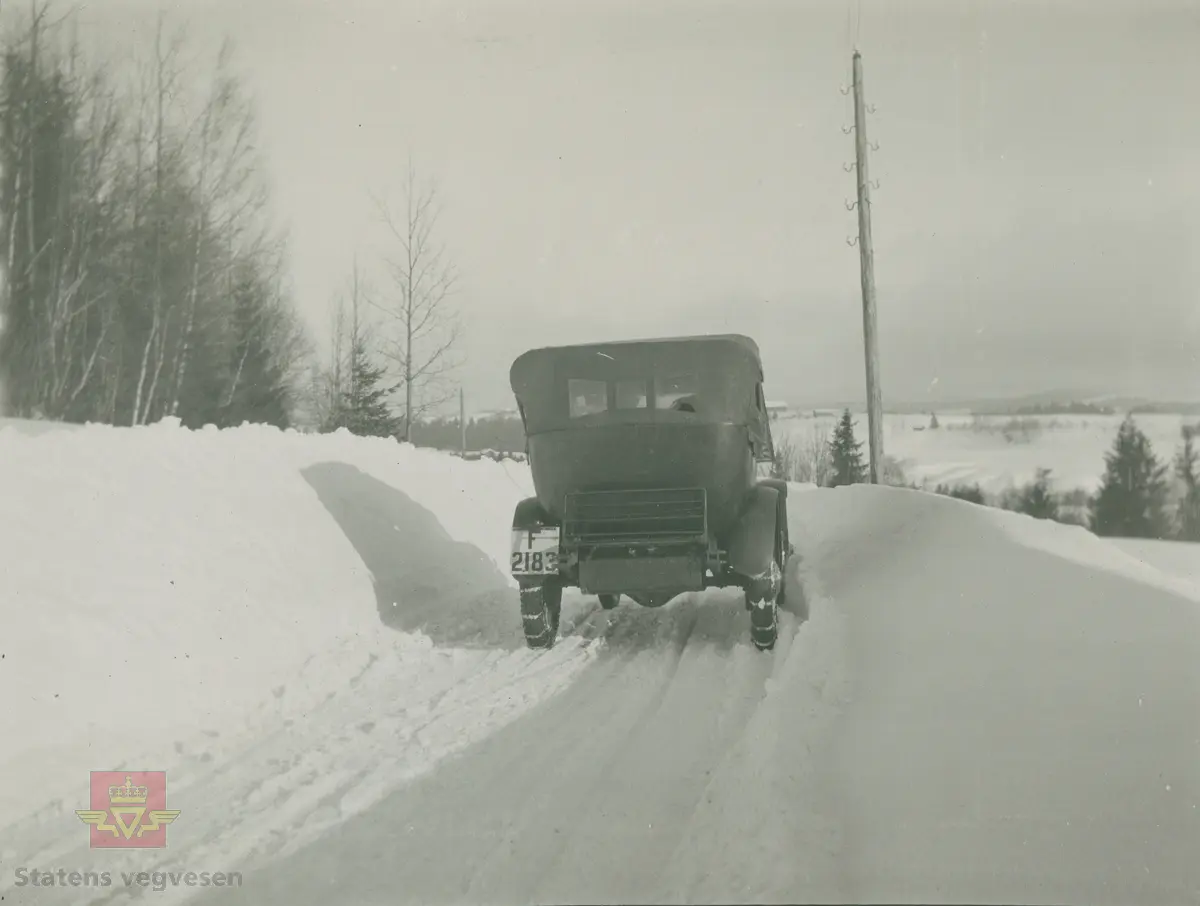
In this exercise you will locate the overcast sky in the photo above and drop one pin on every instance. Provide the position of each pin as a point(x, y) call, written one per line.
point(621, 168)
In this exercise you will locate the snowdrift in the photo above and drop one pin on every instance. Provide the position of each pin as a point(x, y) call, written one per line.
point(168, 597)
point(1178, 559)
point(1024, 718)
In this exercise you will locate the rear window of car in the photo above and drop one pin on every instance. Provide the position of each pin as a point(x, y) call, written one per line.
point(631, 394)
point(587, 397)
point(677, 391)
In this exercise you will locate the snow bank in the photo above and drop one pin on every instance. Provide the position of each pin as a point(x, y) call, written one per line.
point(1022, 724)
point(166, 593)
point(1175, 558)
point(1118, 556)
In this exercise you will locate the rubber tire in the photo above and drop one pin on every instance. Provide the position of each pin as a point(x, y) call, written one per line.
point(764, 625)
point(609, 602)
point(783, 551)
point(764, 621)
point(541, 607)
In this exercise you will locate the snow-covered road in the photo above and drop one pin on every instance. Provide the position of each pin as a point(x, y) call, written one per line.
point(962, 719)
point(965, 705)
point(655, 775)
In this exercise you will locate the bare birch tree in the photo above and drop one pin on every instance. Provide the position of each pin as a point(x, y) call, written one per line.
point(425, 329)
point(78, 318)
point(165, 77)
point(227, 198)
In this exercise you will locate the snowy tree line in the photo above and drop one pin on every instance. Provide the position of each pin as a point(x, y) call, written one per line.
point(1140, 496)
point(144, 278)
point(142, 275)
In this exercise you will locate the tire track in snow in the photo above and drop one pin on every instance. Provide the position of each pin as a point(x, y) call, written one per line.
point(766, 830)
point(600, 793)
point(300, 780)
point(633, 718)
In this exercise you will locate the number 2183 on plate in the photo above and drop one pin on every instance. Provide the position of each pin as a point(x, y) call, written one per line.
point(534, 552)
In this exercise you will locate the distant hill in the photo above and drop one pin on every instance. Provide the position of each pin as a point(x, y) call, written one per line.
point(1050, 402)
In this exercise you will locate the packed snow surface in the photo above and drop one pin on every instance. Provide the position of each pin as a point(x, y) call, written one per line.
point(315, 638)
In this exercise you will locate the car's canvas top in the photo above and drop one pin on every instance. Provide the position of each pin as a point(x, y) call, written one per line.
point(723, 369)
point(722, 339)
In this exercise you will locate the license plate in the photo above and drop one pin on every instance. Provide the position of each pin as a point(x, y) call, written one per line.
point(535, 552)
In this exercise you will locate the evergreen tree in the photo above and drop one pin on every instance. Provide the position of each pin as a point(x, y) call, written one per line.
point(1131, 502)
point(259, 391)
point(846, 454)
point(363, 407)
point(1036, 499)
point(1187, 467)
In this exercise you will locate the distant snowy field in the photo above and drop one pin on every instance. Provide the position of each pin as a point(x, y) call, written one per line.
point(1000, 451)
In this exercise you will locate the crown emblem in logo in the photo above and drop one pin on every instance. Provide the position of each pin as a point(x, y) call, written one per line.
point(124, 813)
point(128, 794)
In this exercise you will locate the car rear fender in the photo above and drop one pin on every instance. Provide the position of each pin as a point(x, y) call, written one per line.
point(530, 514)
point(752, 541)
point(778, 483)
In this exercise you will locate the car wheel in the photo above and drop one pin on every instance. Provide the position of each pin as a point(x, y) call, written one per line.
point(763, 602)
point(764, 610)
point(541, 607)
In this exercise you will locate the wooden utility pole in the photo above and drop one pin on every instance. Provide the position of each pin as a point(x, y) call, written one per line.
point(866, 257)
point(462, 420)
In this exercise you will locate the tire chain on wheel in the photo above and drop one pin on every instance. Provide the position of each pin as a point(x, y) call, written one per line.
point(764, 621)
point(764, 627)
point(541, 609)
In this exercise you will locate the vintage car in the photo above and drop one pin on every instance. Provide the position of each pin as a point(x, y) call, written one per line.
point(645, 457)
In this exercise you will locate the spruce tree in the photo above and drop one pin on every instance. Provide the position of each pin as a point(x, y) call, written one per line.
point(1036, 499)
point(846, 454)
point(1187, 468)
point(1131, 502)
point(363, 407)
point(258, 388)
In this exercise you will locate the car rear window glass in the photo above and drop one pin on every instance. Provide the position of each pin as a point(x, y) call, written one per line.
point(631, 394)
point(677, 391)
point(587, 397)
